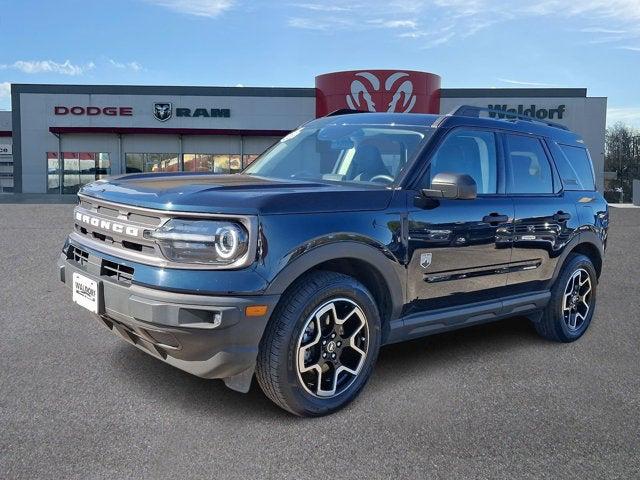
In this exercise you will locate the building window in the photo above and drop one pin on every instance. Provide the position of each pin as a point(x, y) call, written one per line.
point(53, 173)
point(248, 159)
point(193, 162)
point(76, 169)
point(152, 162)
point(198, 162)
point(6, 174)
point(216, 163)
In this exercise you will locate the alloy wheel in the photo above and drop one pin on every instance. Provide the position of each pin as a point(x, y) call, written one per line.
point(332, 348)
point(576, 301)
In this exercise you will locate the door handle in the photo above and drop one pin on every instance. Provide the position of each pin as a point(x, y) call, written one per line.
point(561, 216)
point(495, 218)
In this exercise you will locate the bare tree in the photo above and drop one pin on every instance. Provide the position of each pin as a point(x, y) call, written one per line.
point(622, 155)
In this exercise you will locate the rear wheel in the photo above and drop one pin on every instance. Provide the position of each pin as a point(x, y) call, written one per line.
point(573, 301)
point(320, 346)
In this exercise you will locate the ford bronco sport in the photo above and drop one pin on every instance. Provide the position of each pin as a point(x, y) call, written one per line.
point(354, 231)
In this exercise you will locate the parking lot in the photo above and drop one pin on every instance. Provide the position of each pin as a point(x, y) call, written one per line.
point(494, 401)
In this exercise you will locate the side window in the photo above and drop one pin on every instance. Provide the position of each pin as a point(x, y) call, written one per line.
point(529, 165)
point(472, 152)
point(574, 166)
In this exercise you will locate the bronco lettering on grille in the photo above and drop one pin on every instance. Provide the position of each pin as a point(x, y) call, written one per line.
point(107, 225)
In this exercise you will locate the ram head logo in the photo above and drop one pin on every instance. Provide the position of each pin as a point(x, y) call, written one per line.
point(403, 99)
point(162, 111)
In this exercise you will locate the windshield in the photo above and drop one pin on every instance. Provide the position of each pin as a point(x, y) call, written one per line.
point(366, 154)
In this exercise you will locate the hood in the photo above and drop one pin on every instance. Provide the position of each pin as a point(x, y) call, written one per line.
point(235, 194)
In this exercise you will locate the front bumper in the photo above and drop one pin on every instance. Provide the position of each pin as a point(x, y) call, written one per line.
point(207, 336)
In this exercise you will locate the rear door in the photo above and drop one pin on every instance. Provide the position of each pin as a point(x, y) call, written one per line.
point(545, 217)
point(459, 250)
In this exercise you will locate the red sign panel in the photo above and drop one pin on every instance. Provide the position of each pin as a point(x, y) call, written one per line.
point(378, 91)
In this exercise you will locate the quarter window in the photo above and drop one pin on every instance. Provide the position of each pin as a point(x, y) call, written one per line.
point(574, 166)
point(471, 152)
point(529, 166)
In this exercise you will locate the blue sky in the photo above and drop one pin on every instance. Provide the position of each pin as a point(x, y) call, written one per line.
point(470, 43)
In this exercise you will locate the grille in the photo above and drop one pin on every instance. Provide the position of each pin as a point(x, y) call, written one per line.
point(119, 231)
point(101, 231)
point(111, 270)
point(78, 256)
point(120, 273)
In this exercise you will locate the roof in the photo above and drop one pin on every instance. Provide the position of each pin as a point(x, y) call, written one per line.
point(163, 90)
point(514, 125)
point(513, 92)
point(377, 118)
point(527, 126)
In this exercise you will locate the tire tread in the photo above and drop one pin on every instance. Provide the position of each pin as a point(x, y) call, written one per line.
point(549, 324)
point(273, 346)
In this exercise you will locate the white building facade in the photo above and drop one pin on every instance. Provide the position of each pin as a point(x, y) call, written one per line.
point(59, 137)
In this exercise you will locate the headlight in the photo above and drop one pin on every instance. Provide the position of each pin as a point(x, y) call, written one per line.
point(201, 241)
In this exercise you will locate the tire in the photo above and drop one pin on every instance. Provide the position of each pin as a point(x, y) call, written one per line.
point(290, 367)
point(559, 324)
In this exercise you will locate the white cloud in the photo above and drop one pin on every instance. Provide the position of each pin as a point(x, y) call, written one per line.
point(307, 24)
point(318, 7)
point(200, 8)
point(438, 40)
point(627, 115)
point(134, 66)
point(610, 31)
point(319, 24)
point(49, 66)
point(606, 39)
point(609, 21)
point(529, 84)
point(619, 9)
point(629, 47)
point(5, 90)
point(411, 24)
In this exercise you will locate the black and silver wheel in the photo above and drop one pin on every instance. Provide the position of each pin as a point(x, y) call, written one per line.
point(576, 301)
point(332, 348)
point(573, 301)
point(320, 346)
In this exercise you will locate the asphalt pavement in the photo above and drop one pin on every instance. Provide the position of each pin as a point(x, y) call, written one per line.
point(494, 401)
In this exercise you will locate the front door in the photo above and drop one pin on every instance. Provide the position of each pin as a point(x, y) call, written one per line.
point(459, 250)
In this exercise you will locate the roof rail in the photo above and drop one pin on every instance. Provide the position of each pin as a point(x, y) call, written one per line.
point(473, 111)
point(344, 111)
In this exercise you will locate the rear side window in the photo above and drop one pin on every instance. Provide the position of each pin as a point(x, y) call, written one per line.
point(529, 166)
point(575, 168)
point(471, 152)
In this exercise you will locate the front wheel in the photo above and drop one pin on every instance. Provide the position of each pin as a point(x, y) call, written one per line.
point(573, 301)
point(320, 346)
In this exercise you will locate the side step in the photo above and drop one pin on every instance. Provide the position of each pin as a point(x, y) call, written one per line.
point(451, 318)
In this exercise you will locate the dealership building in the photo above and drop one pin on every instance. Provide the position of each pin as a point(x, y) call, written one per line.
point(58, 137)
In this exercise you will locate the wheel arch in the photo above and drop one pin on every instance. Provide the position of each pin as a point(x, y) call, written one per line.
point(378, 271)
point(587, 244)
point(590, 251)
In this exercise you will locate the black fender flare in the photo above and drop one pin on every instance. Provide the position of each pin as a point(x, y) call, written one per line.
point(586, 236)
point(376, 256)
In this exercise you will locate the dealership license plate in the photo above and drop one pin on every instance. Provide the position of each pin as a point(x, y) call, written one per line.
point(85, 292)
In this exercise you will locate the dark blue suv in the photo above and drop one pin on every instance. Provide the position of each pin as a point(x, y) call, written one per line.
point(354, 231)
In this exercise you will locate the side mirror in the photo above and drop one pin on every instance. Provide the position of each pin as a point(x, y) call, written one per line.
point(455, 186)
